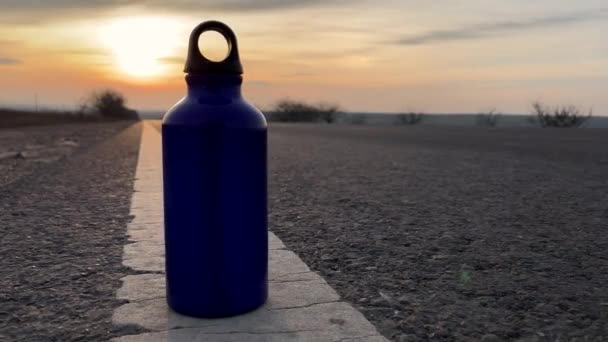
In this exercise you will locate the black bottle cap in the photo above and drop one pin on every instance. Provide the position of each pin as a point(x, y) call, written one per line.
point(198, 64)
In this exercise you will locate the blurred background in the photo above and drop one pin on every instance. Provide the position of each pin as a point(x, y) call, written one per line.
point(468, 56)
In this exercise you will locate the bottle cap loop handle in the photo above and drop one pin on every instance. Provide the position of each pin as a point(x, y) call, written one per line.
point(199, 64)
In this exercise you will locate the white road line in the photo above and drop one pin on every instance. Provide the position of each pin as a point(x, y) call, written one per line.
point(301, 307)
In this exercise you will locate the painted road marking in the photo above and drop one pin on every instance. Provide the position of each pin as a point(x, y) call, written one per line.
point(301, 306)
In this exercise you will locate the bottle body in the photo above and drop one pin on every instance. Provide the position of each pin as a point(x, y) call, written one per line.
point(215, 200)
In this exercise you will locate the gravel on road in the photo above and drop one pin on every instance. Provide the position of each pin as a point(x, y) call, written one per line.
point(451, 234)
point(26, 149)
point(62, 230)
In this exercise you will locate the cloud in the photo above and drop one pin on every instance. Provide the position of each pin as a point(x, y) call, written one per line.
point(9, 61)
point(10, 43)
point(34, 12)
point(49, 7)
point(81, 52)
point(494, 29)
point(172, 60)
point(248, 5)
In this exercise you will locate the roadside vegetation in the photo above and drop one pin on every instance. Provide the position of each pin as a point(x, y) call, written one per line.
point(489, 118)
point(111, 105)
point(411, 118)
point(568, 116)
point(296, 111)
point(98, 106)
point(106, 104)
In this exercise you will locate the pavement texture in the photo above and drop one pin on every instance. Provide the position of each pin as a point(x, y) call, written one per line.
point(451, 234)
point(25, 150)
point(301, 306)
point(432, 233)
point(63, 216)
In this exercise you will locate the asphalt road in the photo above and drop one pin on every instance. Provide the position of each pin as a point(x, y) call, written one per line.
point(451, 233)
point(63, 215)
point(433, 233)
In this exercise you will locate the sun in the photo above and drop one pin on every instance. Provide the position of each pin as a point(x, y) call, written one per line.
point(139, 44)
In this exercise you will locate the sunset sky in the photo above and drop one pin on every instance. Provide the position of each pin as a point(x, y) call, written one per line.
point(436, 56)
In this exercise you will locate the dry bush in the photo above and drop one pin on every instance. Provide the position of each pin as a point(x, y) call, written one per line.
point(411, 118)
point(110, 104)
point(489, 118)
point(296, 111)
point(560, 116)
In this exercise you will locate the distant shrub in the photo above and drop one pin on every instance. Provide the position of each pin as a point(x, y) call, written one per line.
point(489, 118)
point(560, 116)
point(84, 108)
point(328, 112)
point(110, 104)
point(358, 119)
point(296, 111)
point(411, 118)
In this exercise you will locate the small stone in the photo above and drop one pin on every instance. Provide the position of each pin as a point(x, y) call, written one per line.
point(9, 155)
point(405, 300)
point(385, 296)
point(491, 338)
point(363, 300)
point(379, 301)
point(29, 154)
point(33, 146)
point(326, 257)
point(446, 240)
point(68, 142)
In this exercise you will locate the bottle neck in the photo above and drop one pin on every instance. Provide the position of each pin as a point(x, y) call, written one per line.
point(227, 84)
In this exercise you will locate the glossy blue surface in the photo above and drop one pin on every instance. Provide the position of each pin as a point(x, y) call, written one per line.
point(215, 198)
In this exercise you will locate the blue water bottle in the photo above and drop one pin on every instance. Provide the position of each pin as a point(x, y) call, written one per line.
point(214, 162)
